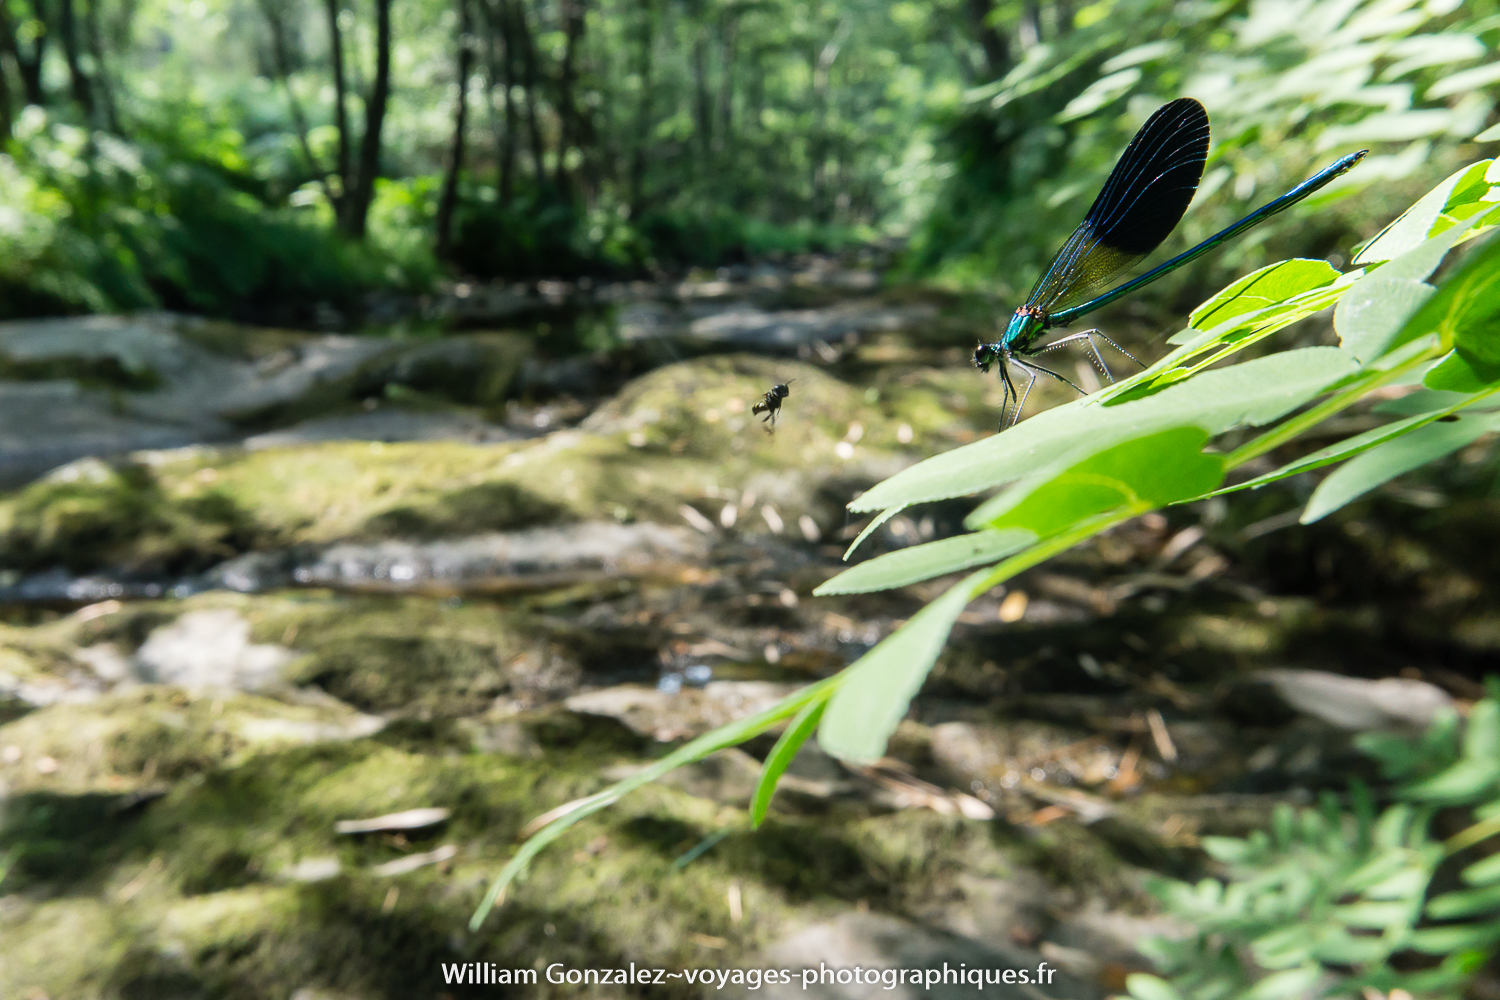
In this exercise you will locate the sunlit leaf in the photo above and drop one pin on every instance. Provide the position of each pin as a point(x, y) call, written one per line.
point(1142, 54)
point(1290, 984)
point(1465, 903)
point(1439, 49)
point(1398, 127)
point(871, 528)
point(1371, 314)
point(1486, 872)
point(1347, 448)
point(1265, 287)
point(780, 758)
point(1210, 346)
point(1434, 400)
point(1254, 392)
point(1139, 475)
point(1148, 987)
point(879, 685)
point(1099, 93)
point(1416, 223)
point(921, 562)
point(1465, 81)
point(1447, 940)
point(713, 741)
point(1389, 460)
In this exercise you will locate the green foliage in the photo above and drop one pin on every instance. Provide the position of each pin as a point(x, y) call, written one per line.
point(1327, 902)
point(1150, 441)
point(803, 725)
point(105, 224)
point(1287, 82)
point(865, 711)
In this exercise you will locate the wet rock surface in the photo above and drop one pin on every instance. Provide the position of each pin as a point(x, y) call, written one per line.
point(225, 668)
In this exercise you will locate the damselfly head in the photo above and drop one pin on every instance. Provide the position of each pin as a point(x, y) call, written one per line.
point(984, 356)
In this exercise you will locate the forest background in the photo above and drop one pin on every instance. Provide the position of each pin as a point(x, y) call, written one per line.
point(361, 165)
point(293, 162)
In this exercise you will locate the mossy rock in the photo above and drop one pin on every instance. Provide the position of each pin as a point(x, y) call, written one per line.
point(669, 438)
point(91, 513)
point(148, 736)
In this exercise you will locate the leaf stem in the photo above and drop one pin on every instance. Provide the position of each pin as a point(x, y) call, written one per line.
point(1472, 835)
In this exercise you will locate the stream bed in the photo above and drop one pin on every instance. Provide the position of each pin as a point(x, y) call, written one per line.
point(299, 632)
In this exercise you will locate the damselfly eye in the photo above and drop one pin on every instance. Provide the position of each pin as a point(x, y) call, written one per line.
point(983, 357)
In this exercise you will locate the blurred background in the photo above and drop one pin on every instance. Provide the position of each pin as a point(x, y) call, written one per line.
point(378, 474)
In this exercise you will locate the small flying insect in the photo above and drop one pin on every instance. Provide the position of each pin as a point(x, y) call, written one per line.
point(770, 404)
point(1140, 204)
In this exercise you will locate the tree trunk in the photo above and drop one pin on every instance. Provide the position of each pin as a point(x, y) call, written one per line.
point(1064, 11)
point(281, 56)
point(1030, 31)
point(703, 103)
point(567, 107)
point(646, 41)
point(530, 83)
point(996, 49)
point(28, 64)
point(448, 200)
point(502, 75)
point(101, 77)
point(78, 80)
point(340, 115)
point(375, 106)
point(726, 83)
point(7, 108)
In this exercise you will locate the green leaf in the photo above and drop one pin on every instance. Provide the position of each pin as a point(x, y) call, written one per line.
point(1139, 475)
point(1292, 984)
point(1266, 287)
point(1465, 903)
point(729, 735)
point(1334, 452)
point(1244, 329)
point(879, 685)
point(1099, 93)
point(1455, 374)
point(1390, 127)
point(1253, 392)
point(1372, 915)
point(1463, 782)
point(1465, 313)
point(1347, 949)
point(1460, 937)
point(1464, 81)
point(1482, 735)
point(1417, 223)
point(1371, 313)
point(922, 562)
point(870, 528)
point(1434, 401)
point(780, 757)
point(1227, 849)
point(1437, 49)
point(1483, 872)
point(1421, 260)
point(1389, 460)
point(1147, 987)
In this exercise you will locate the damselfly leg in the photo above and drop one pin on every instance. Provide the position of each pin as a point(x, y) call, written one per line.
point(1088, 337)
point(1032, 370)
